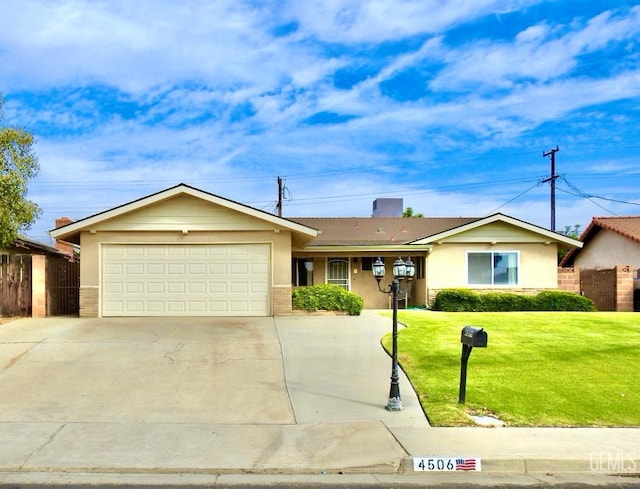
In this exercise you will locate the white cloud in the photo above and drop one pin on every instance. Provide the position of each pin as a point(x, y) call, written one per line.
point(349, 21)
point(538, 53)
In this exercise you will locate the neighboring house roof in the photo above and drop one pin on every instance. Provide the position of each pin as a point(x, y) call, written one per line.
point(410, 231)
point(71, 231)
point(627, 226)
point(35, 247)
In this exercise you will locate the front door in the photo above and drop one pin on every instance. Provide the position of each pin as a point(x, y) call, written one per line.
point(338, 272)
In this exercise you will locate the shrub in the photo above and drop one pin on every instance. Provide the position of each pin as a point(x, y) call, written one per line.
point(506, 301)
point(557, 300)
point(466, 300)
point(328, 297)
point(457, 300)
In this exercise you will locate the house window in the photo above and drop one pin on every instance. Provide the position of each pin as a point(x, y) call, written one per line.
point(367, 263)
point(302, 272)
point(492, 268)
point(338, 272)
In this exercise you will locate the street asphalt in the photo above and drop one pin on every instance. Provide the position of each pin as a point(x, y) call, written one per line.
point(220, 400)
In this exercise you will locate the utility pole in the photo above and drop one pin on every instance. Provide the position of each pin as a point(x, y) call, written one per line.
point(552, 180)
point(280, 195)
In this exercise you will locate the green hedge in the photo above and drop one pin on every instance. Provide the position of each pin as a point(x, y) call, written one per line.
point(554, 300)
point(327, 297)
point(457, 300)
point(466, 300)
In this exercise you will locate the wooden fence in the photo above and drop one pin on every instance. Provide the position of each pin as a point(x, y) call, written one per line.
point(15, 285)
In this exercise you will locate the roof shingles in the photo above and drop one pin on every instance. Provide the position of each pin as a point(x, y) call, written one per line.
point(369, 231)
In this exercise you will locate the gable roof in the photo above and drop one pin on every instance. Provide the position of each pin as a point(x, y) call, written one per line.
point(627, 226)
point(71, 232)
point(498, 217)
point(410, 231)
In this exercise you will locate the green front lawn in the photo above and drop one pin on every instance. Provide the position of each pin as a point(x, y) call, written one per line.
point(539, 369)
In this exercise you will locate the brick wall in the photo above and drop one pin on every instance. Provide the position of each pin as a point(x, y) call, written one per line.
point(63, 246)
point(88, 302)
point(281, 300)
point(624, 288)
point(569, 279)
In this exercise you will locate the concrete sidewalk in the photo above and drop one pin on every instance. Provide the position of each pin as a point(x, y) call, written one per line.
point(292, 395)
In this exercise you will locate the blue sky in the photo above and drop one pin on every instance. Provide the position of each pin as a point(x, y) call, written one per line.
point(447, 104)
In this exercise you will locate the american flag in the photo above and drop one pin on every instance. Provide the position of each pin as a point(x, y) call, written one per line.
point(465, 464)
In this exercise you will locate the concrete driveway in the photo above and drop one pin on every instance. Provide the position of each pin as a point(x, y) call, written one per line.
point(253, 371)
point(212, 395)
point(187, 370)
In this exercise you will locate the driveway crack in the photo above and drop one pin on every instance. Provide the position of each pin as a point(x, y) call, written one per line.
point(44, 445)
point(20, 356)
point(175, 350)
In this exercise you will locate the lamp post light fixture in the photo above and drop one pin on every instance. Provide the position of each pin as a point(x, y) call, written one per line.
point(401, 270)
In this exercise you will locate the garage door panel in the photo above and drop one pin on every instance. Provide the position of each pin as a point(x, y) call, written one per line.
point(176, 269)
point(197, 268)
point(135, 287)
point(156, 306)
point(114, 269)
point(114, 287)
point(155, 288)
point(217, 288)
point(155, 269)
point(176, 287)
point(197, 280)
point(134, 269)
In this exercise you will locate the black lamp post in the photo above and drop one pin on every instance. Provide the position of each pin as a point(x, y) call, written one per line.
point(401, 270)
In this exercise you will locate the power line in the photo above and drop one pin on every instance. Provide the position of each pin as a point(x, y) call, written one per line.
point(537, 184)
point(590, 196)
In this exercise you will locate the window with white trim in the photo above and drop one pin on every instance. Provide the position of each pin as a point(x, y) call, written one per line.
point(492, 267)
point(338, 272)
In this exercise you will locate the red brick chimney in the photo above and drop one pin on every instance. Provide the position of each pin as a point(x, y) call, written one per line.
point(63, 246)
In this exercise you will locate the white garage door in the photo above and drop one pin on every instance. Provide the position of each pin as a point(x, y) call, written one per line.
point(186, 280)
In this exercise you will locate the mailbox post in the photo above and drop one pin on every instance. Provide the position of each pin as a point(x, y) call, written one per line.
point(469, 338)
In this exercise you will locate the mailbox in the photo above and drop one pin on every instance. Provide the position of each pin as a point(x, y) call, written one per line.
point(471, 336)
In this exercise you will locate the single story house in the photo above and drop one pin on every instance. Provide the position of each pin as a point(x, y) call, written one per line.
point(184, 251)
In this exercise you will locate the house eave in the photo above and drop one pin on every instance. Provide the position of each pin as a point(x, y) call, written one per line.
point(364, 249)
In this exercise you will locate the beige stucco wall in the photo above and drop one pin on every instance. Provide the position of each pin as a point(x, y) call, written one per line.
point(607, 250)
point(447, 264)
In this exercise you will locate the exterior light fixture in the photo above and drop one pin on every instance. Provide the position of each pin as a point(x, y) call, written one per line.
point(401, 270)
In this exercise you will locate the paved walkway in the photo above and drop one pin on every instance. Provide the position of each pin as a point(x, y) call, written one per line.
point(204, 397)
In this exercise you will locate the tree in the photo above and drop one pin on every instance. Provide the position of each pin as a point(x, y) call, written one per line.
point(408, 212)
point(571, 231)
point(18, 165)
